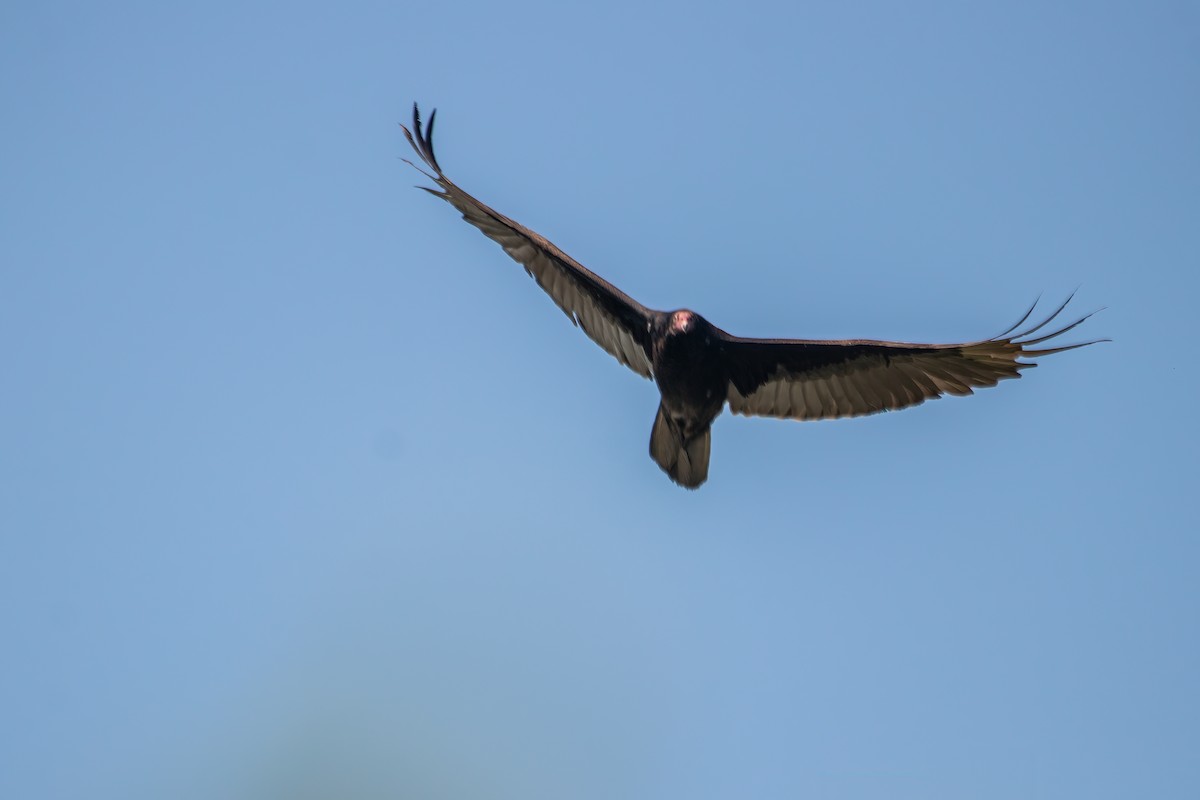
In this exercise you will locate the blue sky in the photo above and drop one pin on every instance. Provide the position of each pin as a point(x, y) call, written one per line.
point(307, 490)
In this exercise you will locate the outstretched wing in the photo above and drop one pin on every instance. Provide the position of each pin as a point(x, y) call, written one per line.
point(800, 379)
point(612, 319)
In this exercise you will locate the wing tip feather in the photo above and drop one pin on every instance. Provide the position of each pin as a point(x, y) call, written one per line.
point(421, 139)
point(1021, 342)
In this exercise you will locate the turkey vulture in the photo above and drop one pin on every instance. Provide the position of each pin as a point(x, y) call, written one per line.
point(699, 367)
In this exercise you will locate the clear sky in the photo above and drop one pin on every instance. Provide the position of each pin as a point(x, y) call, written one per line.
point(306, 490)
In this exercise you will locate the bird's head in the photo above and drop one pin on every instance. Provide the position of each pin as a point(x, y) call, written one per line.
point(681, 322)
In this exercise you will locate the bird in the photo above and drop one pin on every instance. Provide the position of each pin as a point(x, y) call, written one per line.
point(700, 368)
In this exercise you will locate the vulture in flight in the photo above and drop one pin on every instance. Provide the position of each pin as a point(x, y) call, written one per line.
point(699, 368)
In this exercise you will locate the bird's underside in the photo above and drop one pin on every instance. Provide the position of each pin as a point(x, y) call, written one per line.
point(699, 368)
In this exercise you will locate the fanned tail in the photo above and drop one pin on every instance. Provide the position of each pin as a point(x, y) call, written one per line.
point(685, 462)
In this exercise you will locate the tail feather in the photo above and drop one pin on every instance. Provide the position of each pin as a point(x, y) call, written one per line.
point(685, 462)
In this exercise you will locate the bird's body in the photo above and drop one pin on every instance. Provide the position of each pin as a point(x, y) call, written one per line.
point(690, 371)
point(693, 381)
point(698, 367)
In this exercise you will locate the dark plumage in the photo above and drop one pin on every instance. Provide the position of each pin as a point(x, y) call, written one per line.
point(699, 368)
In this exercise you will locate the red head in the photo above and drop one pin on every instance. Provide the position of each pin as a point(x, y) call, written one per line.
point(682, 321)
